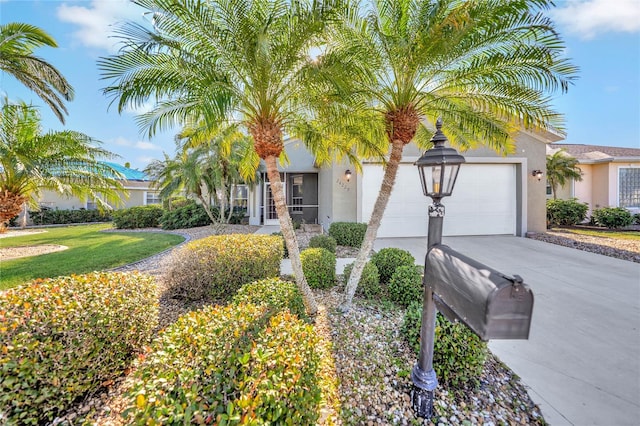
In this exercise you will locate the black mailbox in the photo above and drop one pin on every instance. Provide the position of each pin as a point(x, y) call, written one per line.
point(491, 304)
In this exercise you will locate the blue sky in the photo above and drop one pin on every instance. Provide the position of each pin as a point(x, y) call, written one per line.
point(602, 38)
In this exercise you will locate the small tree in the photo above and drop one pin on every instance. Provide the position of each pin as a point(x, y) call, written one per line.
point(560, 167)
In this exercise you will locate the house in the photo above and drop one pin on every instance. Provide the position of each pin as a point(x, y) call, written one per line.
point(137, 185)
point(494, 194)
point(610, 176)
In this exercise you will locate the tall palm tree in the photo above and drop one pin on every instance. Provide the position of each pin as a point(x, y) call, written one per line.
point(215, 61)
point(485, 67)
point(560, 167)
point(17, 44)
point(67, 162)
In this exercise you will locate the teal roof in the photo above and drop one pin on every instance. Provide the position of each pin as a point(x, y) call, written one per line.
point(129, 174)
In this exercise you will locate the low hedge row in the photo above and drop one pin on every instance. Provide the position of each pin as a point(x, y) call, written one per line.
point(59, 217)
point(218, 266)
point(61, 338)
point(348, 233)
point(138, 217)
point(238, 364)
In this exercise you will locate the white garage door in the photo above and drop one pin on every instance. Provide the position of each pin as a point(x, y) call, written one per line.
point(483, 201)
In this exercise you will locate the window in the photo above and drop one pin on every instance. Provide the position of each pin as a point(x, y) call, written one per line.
point(152, 198)
point(92, 205)
point(629, 187)
point(240, 198)
point(296, 194)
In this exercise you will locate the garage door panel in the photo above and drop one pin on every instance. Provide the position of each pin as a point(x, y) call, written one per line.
point(483, 203)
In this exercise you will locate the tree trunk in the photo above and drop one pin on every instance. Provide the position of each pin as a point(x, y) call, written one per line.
point(10, 206)
point(374, 223)
point(286, 226)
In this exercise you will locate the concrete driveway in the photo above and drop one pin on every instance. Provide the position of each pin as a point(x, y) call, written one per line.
point(582, 360)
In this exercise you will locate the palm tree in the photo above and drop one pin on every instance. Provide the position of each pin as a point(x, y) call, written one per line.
point(560, 167)
point(483, 66)
point(66, 162)
point(17, 43)
point(227, 60)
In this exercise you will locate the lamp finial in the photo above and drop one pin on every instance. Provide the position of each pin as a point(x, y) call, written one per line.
point(438, 138)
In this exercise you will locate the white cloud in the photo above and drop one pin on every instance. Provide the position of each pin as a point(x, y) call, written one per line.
point(143, 145)
point(96, 21)
point(589, 18)
point(141, 109)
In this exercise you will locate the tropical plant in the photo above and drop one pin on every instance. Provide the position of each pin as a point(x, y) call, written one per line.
point(17, 44)
point(484, 67)
point(63, 161)
point(560, 167)
point(216, 61)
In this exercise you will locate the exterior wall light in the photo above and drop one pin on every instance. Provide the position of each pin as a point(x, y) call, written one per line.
point(537, 174)
point(347, 175)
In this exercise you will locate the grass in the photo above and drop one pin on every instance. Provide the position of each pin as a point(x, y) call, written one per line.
point(89, 250)
point(622, 235)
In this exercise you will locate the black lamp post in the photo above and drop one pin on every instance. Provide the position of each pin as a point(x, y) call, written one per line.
point(438, 168)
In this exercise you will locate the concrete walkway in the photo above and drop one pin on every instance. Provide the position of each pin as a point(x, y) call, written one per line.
point(582, 360)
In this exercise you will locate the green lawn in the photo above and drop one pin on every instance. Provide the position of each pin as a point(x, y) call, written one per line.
point(626, 235)
point(89, 250)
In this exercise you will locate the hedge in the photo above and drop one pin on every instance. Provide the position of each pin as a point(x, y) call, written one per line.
point(59, 217)
point(229, 365)
point(218, 266)
point(138, 217)
point(61, 338)
point(389, 259)
point(348, 233)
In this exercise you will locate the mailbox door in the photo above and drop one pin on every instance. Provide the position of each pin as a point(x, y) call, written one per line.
point(509, 312)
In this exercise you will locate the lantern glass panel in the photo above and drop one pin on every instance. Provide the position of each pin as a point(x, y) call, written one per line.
point(451, 172)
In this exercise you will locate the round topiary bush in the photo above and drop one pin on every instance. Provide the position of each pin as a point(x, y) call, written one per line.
point(458, 354)
point(323, 241)
point(405, 285)
point(349, 234)
point(237, 364)
point(319, 267)
point(389, 259)
point(369, 285)
point(566, 212)
point(62, 338)
point(275, 293)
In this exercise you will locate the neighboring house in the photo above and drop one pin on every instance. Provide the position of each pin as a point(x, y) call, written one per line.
point(139, 192)
point(494, 195)
point(610, 176)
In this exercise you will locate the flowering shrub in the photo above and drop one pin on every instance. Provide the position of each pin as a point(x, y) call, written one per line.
point(218, 266)
point(275, 293)
point(237, 364)
point(62, 338)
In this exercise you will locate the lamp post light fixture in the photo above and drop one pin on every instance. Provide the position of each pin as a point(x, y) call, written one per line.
point(438, 169)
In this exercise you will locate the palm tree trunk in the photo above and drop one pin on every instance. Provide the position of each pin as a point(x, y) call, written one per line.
point(374, 223)
point(286, 226)
point(207, 208)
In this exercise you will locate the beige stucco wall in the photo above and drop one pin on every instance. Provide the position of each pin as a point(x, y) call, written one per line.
point(133, 195)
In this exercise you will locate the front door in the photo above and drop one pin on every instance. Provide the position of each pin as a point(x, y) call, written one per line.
point(270, 214)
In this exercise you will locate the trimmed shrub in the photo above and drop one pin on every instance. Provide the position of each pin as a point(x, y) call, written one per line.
point(458, 354)
point(229, 365)
point(612, 217)
point(275, 293)
point(405, 286)
point(61, 338)
point(284, 244)
point(348, 233)
point(189, 215)
point(47, 216)
point(389, 259)
point(319, 267)
point(218, 266)
point(566, 212)
point(323, 241)
point(138, 217)
point(636, 219)
point(369, 285)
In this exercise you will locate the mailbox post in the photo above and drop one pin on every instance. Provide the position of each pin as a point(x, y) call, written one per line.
point(438, 168)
